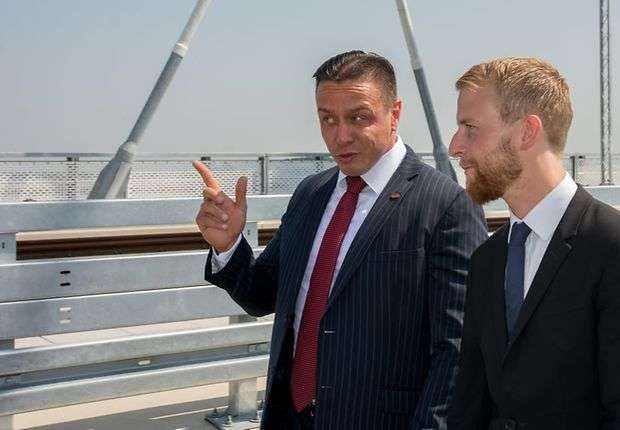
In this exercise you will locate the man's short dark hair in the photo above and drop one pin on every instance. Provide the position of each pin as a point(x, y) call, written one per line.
point(359, 65)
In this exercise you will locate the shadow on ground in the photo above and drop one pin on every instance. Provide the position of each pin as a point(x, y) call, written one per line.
point(181, 416)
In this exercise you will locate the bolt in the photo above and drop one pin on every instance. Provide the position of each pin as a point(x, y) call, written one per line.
point(256, 418)
point(229, 421)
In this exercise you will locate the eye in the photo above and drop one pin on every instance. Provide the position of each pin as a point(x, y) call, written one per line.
point(469, 128)
point(327, 119)
point(360, 118)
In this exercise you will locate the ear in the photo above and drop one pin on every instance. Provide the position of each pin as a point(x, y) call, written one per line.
point(531, 129)
point(395, 114)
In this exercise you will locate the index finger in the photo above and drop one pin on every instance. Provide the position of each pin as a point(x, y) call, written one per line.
point(207, 177)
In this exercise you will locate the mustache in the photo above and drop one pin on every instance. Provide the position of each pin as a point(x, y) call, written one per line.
point(465, 163)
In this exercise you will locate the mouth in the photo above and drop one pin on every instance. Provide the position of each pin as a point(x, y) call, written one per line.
point(345, 157)
point(466, 167)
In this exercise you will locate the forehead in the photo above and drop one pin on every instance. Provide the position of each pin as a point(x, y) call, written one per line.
point(477, 103)
point(339, 93)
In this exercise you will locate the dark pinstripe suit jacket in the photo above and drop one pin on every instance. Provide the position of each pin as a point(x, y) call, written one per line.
point(390, 336)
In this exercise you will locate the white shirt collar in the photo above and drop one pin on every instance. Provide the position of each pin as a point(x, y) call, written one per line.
point(379, 174)
point(544, 218)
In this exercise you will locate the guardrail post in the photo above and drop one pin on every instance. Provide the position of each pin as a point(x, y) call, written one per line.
point(264, 173)
point(6, 421)
point(242, 397)
point(250, 232)
point(8, 248)
point(580, 160)
point(72, 179)
point(572, 167)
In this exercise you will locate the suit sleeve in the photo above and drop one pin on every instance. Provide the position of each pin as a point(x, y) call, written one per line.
point(471, 401)
point(608, 304)
point(252, 283)
point(459, 232)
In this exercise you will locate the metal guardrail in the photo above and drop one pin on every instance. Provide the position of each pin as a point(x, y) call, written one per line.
point(70, 176)
point(55, 296)
point(66, 295)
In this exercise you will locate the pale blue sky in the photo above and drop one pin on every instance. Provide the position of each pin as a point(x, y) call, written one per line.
point(74, 74)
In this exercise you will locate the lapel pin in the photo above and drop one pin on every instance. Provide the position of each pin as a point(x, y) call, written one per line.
point(395, 195)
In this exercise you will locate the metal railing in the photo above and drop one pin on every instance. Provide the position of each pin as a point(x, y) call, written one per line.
point(70, 176)
point(68, 295)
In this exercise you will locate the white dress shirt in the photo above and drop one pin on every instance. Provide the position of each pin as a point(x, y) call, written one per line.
point(543, 219)
point(376, 179)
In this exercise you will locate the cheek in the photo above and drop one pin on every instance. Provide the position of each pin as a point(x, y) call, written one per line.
point(327, 134)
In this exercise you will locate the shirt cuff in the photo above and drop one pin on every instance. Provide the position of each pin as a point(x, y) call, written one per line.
point(219, 261)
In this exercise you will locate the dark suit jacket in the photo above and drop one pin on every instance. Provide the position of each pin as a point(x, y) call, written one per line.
point(562, 370)
point(388, 342)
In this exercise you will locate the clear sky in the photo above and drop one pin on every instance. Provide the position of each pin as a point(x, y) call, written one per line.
point(74, 74)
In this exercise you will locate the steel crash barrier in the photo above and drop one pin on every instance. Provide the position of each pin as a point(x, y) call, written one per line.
point(68, 295)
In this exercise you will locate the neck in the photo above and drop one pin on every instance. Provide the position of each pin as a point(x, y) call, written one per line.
point(539, 177)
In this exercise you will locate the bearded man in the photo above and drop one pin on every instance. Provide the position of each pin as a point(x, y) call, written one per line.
point(541, 341)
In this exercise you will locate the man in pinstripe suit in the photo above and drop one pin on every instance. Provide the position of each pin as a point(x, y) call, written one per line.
point(365, 274)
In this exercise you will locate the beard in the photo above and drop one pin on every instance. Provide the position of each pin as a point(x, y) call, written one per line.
point(494, 174)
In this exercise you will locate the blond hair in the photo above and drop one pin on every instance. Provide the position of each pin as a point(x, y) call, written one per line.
point(525, 86)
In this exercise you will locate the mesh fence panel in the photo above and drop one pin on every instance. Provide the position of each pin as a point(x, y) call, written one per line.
point(286, 174)
point(62, 178)
point(37, 180)
point(588, 168)
point(173, 178)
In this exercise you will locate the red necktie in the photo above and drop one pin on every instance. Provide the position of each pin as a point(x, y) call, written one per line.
point(303, 378)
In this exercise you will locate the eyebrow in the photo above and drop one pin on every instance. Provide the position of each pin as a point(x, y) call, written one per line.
point(355, 109)
point(465, 120)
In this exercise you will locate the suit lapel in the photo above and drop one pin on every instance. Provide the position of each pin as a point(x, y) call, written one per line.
point(559, 248)
point(400, 182)
point(310, 215)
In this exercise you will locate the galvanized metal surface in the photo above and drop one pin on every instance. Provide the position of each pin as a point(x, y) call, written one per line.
point(7, 248)
point(605, 94)
point(6, 423)
point(112, 386)
point(16, 361)
point(74, 277)
point(440, 154)
point(82, 313)
point(155, 362)
point(242, 397)
point(72, 295)
point(30, 216)
point(67, 277)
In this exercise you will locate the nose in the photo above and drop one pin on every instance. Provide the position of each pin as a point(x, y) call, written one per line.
point(456, 148)
point(344, 133)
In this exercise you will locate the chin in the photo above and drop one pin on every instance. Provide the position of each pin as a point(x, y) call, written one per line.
point(352, 170)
